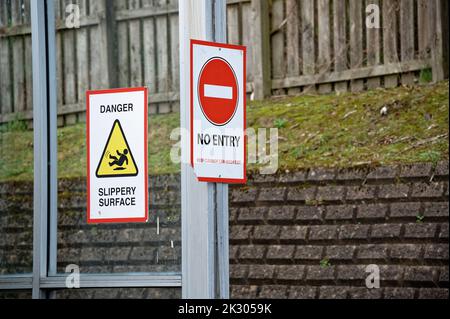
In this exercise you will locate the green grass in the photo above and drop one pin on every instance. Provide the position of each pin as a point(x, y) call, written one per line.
point(329, 131)
point(426, 76)
point(347, 130)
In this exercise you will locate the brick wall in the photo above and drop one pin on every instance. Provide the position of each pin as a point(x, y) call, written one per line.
point(95, 248)
point(283, 229)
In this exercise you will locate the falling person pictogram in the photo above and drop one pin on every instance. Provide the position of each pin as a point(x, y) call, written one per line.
point(119, 161)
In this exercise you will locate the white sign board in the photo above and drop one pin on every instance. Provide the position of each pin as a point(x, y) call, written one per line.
point(117, 156)
point(218, 112)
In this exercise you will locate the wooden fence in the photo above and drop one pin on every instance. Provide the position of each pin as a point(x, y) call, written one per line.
point(325, 45)
point(294, 46)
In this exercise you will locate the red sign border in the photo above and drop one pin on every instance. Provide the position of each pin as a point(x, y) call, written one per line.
point(117, 220)
point(227, 46)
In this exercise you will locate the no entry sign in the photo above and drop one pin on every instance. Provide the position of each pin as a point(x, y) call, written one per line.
point(218, 112)
point(117, 156)
point(219, 101)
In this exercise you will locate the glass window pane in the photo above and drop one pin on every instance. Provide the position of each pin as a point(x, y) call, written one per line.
point(104, 54)
point(16, 138)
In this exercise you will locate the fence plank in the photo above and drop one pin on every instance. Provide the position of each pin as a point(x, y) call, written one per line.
point(407, 37)
point(356, 41)
point(108, 28)
point(150, 57)
point(261, 49)
point(324, 42)
point(82, 56)
point(440, 50)
point(309, 52)
point(162, 56)
point(133, 5)
point(278, 59)
point(432, 24)
point(293, 41)
point(5, 78)
point(174, 57)
point(423, 28)
point(122, 45)
point(59, 57)
point(82, 65)
point(246, 37)
point(432, 15)
point(3, 15)
point(99, 47)
point(233, 24)
point(135, 48)
point(70, 91)
point(71, 72)
point(17, 60)
point(373, 49)
point(347, 75)
point(340, 41)
point(28, 59)
point(390, 32)
point(147, 4)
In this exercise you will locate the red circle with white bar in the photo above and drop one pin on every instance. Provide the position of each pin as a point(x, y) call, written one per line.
point(218, 91)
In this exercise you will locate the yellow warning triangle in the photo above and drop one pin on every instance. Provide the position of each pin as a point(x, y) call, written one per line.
point(117, 159)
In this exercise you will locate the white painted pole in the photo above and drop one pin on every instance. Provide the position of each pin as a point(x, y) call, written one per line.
point(204, 205)
point(197, 269)
point(222, 215)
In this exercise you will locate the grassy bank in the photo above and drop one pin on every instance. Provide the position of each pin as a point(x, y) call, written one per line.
point(331, 130)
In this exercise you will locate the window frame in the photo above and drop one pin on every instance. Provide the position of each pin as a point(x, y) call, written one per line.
point(44, 277)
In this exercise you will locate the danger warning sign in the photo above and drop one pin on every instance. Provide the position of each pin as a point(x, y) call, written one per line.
point(117, 156)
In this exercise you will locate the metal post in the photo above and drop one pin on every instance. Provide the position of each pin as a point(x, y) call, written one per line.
point(44, 124)
point(222, 217)
point(53, 138)
point(204, 206)
point(223, 260)
point(38, 26)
